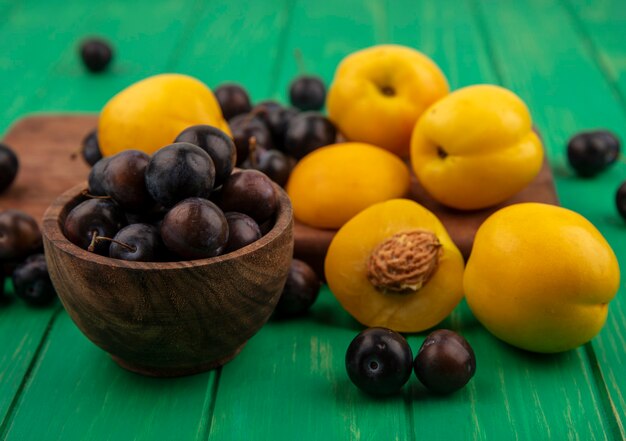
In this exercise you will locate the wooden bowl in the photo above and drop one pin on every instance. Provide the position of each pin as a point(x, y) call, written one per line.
point(170, 318)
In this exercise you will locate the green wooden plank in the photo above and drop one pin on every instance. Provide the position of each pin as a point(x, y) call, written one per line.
point(602, 26)
point(77, 393)
point(324, 35)
point(21, 332)
point(237, 42)
point(567, 91)
point(452, 47)
point(34, 34)
point(142, 48)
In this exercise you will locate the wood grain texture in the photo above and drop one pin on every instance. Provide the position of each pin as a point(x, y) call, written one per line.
point(26, 28)
point(21, 331)
point(169, 318)
point(45, 145)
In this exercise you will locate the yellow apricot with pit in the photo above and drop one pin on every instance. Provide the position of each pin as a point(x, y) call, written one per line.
point(394, 265)
point(332, 184)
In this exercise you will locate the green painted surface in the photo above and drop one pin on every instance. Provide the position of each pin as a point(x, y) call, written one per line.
point(76, 392)
point(563, 57)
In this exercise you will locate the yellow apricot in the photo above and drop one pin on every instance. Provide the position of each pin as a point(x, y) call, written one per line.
point(378, 94)
point(149, 114)
point(540, 277)
point(394, 265)
point(476, 147)
point(333, 183)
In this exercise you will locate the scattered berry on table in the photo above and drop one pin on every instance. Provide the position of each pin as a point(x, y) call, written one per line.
point(590, 153)
point(379, 361)
point(445, 362)
point(620, 200)
point(275, 164)
point(246, 126)
point(96, 54)
point(277, 119)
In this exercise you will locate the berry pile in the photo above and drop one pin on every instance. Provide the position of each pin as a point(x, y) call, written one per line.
point(183, 203)
point(270, 137)
point(22, 260)
point(379, 361)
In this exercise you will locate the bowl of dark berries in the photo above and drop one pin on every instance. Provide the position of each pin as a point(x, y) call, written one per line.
point(170, 263)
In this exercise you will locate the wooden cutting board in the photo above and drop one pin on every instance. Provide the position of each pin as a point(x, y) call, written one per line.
point(47, 144)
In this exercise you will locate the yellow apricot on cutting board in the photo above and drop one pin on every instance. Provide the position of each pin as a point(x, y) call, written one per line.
point(540, 277)
point(149, 114)
point(394, 265)
point(476, 147)
point(332, 184)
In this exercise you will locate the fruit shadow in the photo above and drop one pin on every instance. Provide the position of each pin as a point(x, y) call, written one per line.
point(535, 359)
point(347, 395)
point(328, 312)
point(6, 301)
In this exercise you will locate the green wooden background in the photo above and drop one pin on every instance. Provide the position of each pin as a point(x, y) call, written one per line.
point(565, 58)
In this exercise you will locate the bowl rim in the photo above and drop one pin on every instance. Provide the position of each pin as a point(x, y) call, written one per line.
point(53, 233)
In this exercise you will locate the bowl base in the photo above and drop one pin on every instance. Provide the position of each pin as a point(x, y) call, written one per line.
point(174, 371)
